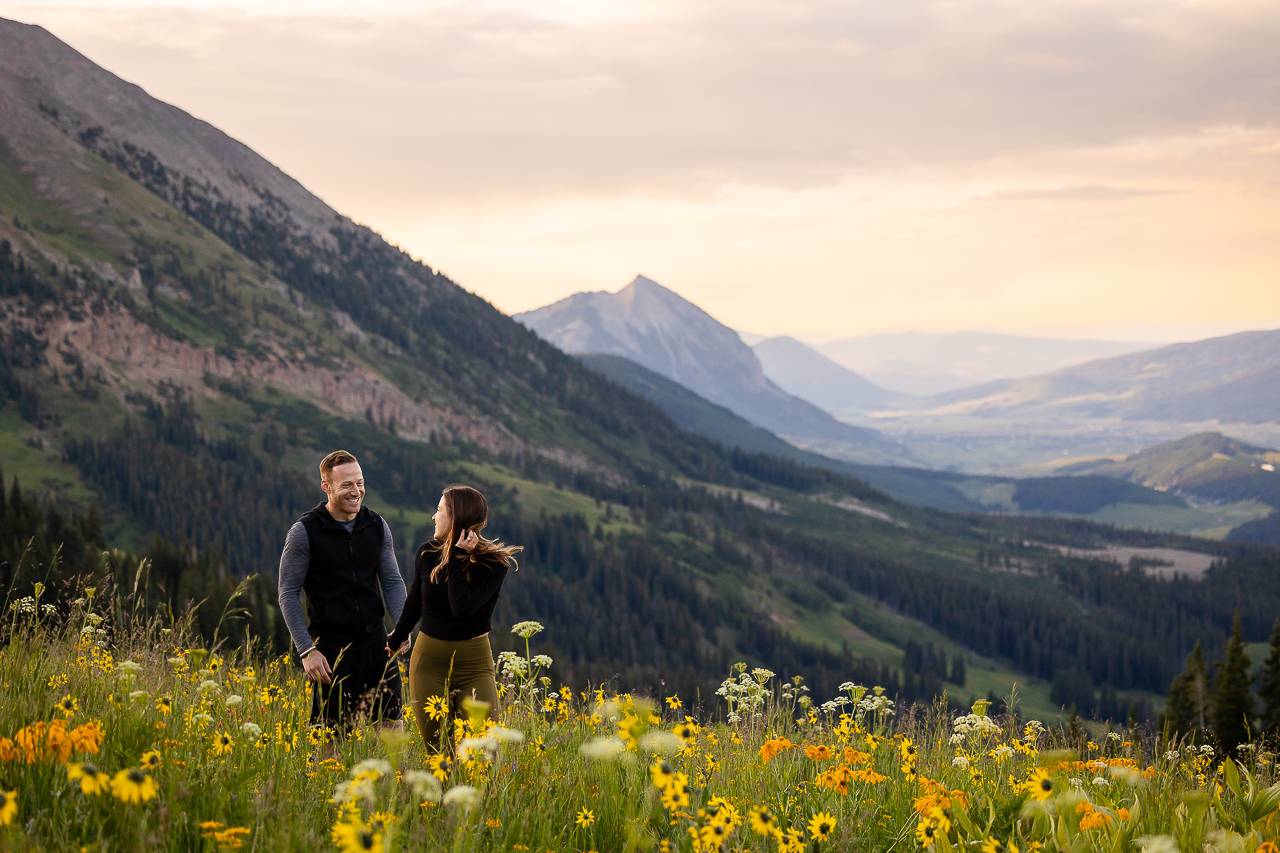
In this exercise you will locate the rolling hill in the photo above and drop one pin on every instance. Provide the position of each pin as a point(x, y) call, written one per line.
point(1225, 378)
point(184, 332)
point(1209, 466)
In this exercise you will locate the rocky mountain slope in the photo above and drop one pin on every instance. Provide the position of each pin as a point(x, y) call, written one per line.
point(657, 328)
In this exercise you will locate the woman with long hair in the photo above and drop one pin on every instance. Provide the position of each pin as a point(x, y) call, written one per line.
point(458, 577)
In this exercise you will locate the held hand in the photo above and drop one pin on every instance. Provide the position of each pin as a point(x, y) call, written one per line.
point(316, 665)
point(404, 647)
point(468, 540)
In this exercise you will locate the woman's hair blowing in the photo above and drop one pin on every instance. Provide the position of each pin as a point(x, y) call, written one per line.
point(468, 510)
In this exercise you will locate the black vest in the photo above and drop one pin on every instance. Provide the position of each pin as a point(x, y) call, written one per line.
point(343, 601)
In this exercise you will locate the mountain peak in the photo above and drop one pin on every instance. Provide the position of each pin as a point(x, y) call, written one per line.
point(659, 329)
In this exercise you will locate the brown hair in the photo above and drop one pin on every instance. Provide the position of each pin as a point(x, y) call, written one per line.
point(333, 460)
point(468, 510)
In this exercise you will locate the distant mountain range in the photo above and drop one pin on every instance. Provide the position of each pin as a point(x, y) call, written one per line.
point(810, 375)
point(658, 329)
point(1231, 379)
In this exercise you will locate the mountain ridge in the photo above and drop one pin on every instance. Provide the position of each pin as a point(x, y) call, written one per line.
point(664, 332)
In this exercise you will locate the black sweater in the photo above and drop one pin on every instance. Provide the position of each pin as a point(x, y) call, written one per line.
point(456, 608)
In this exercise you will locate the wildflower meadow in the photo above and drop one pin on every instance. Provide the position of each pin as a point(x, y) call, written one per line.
point(121, 736)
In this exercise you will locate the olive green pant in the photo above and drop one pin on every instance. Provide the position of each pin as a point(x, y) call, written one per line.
point(452, 671)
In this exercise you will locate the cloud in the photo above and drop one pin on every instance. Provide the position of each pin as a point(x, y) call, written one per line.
point(1076, 194)
point(684, 98)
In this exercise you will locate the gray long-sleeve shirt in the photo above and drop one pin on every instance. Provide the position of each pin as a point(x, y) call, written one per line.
point(295, 560)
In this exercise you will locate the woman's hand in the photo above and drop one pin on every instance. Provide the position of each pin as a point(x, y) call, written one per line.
point(468, 540)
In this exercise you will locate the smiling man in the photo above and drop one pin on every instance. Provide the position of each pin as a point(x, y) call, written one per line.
point(341, 554)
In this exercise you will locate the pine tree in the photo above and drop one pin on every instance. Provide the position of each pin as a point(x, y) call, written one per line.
point(957, 670)
point(1232, 704)
point(1269, 688)
point(1188, 697)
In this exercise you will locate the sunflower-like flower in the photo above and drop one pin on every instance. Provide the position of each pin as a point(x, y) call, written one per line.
point(585, 818)
point(435, 707)
point(92, 780)
point(355, 836)
point(441, 766)
point(150, 760)
point(222, 744)
point(8, 806)
point(662, 773)
point(927, 832)
point(821, 826)
point(762, 821)
point(1040, 785)
point(67, 706)
point(991, 845)
point(133, 786)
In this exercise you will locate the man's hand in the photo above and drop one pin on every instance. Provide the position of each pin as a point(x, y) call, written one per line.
point(316, 666)
point(468, 540)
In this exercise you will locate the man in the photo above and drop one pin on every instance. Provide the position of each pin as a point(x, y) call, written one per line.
point(341, 553)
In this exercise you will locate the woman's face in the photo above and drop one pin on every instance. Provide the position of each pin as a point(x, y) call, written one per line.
point(442, 520)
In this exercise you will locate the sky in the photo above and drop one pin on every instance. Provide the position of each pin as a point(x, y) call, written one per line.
point(1099, 168)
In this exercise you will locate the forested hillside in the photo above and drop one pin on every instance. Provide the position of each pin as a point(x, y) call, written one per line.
point(180, 346)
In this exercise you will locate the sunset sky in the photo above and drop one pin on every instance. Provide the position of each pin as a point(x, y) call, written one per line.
point(820, 169)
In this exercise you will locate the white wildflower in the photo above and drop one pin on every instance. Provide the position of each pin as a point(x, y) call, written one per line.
point(425, 785)
point(233, 700)
point(960, 761)
point(373, 767)
point(603, 748)
point(526, 629)
point(464, 797)
point(661, 743)
point(253, 731)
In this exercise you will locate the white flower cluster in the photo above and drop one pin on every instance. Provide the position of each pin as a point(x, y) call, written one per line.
point(253, 731)
point(511, 665)
point(603, 748)
point(424, 784)
point(526, 630)
point(960, 761)
point(972, 724)
point(25, 606)
point(744, 693)
point(464, 797)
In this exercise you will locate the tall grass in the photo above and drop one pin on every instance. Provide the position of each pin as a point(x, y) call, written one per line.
point(232, 764)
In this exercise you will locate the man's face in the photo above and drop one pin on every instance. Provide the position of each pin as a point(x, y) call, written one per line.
point(345, 487)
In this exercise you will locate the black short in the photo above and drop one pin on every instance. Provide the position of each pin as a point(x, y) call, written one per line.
point(364, 681)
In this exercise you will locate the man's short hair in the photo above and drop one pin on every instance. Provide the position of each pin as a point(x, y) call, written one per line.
point(333, 460)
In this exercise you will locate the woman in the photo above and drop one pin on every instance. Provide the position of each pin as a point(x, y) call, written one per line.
point(459, 574)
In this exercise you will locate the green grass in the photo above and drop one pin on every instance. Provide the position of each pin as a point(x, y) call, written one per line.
point(1199, 519)
point(37, 468)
